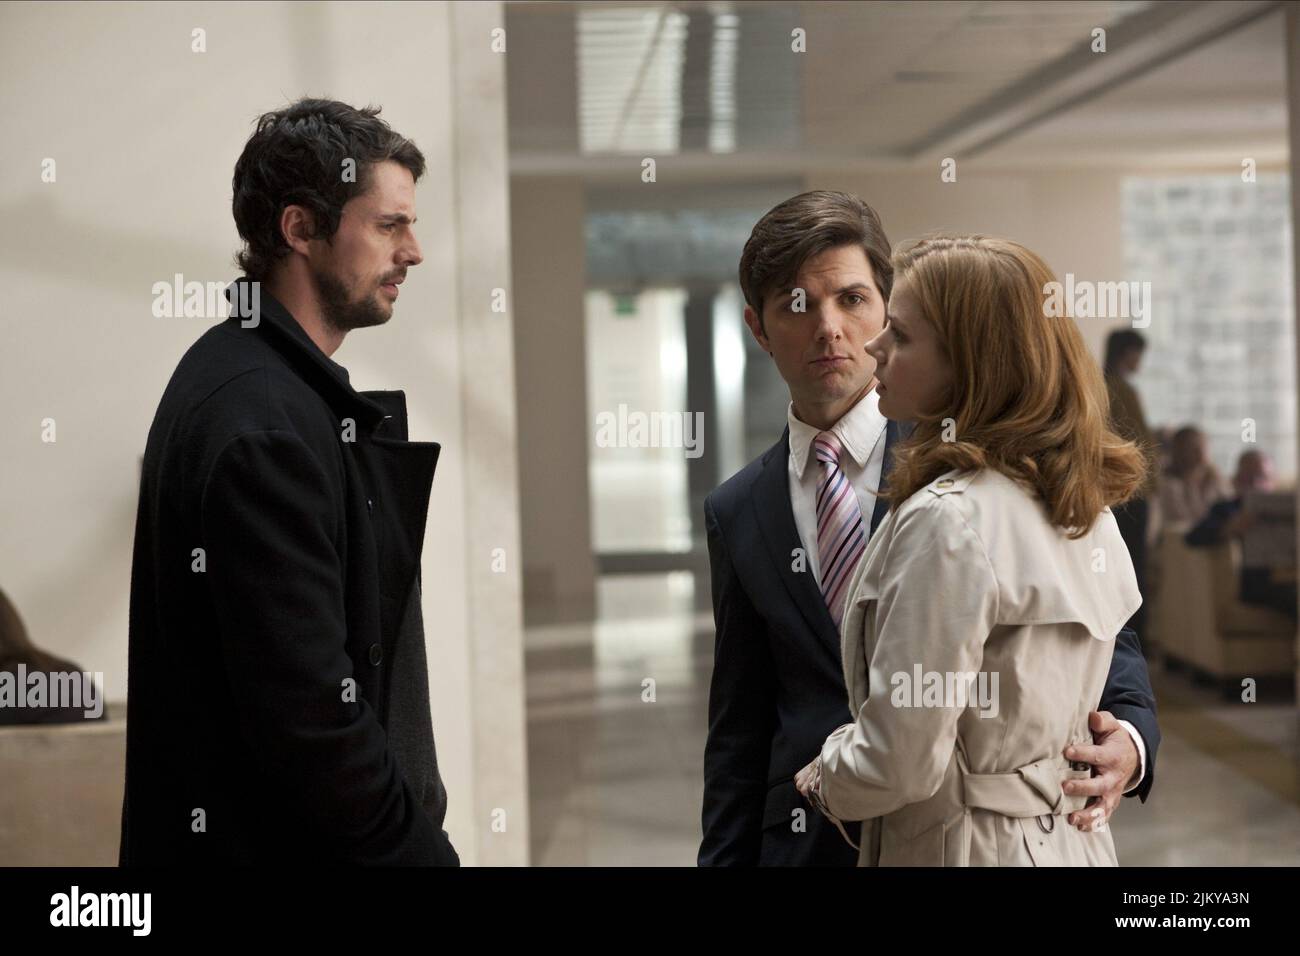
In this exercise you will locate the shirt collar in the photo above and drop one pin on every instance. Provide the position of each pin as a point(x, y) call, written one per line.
point(859, 429)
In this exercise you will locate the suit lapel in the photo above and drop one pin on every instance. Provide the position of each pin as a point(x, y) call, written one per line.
point(775, 517)
point(894, 433)
point(882, 506)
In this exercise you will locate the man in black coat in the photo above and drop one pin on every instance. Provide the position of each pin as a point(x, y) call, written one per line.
point(816, 274)
point(277, 707)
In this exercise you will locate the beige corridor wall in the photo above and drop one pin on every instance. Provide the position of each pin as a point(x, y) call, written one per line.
point(144, 132)
point(1069, 217)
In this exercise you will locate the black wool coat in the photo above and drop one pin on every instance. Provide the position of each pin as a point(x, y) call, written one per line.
point(273, 586)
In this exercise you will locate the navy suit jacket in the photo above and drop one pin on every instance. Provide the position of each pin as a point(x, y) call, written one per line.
point(778, 686)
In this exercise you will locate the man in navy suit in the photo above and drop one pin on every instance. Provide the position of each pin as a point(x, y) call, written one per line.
point(816, 275)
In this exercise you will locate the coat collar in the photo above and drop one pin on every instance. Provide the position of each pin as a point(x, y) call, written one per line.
point(328, 378)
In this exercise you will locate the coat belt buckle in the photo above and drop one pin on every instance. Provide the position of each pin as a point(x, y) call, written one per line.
point(1046, 829)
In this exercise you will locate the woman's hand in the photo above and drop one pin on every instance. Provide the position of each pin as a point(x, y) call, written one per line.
point(806, 779)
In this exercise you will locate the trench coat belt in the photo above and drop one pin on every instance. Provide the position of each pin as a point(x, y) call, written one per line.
point(1033, 790)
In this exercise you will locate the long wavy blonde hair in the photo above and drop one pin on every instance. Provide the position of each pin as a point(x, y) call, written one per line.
point(1026, 397)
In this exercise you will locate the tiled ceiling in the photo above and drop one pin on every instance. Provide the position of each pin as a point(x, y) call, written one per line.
point(876, 81)
point(886, 74)
point(1211, 107)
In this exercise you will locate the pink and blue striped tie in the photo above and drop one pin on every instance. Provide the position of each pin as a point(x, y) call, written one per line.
point(841, 538)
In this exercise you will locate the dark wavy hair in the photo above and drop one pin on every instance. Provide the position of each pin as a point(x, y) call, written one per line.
point(296, 157)
point(801, 227)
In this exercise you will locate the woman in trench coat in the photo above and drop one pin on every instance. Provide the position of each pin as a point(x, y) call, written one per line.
point(982, 617)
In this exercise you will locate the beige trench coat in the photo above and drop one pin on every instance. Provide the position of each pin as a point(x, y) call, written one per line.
point(983, 635)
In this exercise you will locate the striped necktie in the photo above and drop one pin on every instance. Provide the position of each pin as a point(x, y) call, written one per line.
point(841, 538)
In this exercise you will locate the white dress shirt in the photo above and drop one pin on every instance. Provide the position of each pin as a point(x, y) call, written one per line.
point(861, 431)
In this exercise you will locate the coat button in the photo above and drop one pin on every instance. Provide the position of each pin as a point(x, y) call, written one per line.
point(376, 654)
point(370, 505)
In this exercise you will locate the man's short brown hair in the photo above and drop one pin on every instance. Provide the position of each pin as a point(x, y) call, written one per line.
point(804, 226)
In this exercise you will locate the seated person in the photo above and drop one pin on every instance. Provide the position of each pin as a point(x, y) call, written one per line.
point(20, 660)
point(1191, 483)
point(1229, 518)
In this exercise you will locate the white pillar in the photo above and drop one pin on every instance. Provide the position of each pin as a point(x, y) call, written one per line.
point(444, 86)
point(555, 429)
point(493, 554)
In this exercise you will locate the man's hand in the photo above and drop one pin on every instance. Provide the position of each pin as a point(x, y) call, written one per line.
point(1114, 760)
point(1239, 524)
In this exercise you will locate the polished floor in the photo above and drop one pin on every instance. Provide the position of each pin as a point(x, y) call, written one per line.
point(617, 719)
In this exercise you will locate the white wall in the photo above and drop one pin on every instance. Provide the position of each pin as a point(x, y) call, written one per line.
point(145, 134)
point(1074, 219)
point(1070, 217)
